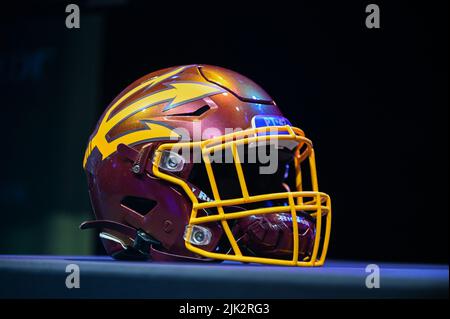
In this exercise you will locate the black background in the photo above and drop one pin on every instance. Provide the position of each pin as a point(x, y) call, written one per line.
point(374, 101)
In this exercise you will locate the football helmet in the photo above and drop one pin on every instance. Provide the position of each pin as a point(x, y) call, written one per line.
point(197, 163)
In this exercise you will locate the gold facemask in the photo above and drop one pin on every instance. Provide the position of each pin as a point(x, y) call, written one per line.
point(316, 204)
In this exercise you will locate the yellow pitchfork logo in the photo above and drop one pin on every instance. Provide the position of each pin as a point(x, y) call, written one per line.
point(177, 93)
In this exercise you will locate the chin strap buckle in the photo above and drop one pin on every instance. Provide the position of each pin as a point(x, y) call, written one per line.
point(139, 250)
point(142, 242)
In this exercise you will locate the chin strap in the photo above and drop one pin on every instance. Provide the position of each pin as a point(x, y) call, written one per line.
point(144, 246)
point(142, 242)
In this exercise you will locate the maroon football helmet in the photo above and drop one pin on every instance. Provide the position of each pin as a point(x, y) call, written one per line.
point(198, 163)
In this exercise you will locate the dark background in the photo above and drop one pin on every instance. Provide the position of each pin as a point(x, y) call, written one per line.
point(374, 101)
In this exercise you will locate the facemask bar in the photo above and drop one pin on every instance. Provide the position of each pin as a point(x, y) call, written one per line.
point(319, 206)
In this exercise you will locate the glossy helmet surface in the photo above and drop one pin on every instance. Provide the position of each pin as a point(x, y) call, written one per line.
point(198, 163)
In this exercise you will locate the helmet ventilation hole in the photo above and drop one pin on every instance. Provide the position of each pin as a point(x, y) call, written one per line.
point(197, 112)
point(138, 204)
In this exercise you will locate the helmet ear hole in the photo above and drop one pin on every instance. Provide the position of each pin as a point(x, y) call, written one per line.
point(140, 205)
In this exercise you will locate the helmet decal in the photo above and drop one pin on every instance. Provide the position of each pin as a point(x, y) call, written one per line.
point(175, 93)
